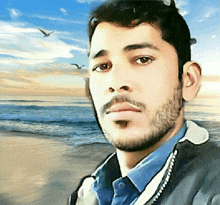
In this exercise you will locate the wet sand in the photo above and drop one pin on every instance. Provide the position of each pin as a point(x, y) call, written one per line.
point(40, 171)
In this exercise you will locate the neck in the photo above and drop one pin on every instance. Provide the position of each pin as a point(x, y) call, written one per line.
point(128, 160)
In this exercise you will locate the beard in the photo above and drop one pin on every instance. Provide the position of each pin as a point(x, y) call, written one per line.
point(159, 125)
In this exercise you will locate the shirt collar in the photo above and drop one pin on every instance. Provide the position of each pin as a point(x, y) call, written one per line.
point(107, 172)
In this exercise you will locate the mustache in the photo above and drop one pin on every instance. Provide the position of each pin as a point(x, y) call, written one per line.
point(121, 99)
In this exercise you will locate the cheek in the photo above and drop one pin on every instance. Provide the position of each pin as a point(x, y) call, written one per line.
point(96, 90)
point(158, 87)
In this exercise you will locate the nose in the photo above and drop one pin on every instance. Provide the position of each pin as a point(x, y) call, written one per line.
point(120, 79)
point(120, 89)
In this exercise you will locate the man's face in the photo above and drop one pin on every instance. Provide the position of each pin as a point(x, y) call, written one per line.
point(134, 84)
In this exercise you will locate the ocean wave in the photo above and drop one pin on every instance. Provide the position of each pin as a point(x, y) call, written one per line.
point(22, 101)
point(35, 132)
point(36, 104)
point(38, 119)
point(43, 107)
point(70, 134)
point(24, 107)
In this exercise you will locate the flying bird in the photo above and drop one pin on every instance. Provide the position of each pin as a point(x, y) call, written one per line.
point(45, 33)
point(78, 67)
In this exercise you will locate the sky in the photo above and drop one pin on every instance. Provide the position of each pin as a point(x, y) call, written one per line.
point(31, 64)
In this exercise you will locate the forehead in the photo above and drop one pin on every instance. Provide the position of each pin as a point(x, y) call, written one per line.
point(108, 35)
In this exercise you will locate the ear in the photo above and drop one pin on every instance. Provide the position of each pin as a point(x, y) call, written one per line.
point(191, 80)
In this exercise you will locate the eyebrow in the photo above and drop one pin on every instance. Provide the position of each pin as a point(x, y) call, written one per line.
point(140, 46)
point(128, 48)
point(100, 54)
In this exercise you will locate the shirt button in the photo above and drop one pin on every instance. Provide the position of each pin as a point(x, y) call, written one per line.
point(121, 185)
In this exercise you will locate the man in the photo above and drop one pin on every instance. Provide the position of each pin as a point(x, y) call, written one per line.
point(141, 74)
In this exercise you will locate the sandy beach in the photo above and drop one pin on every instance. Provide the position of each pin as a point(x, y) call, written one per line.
point(42, 171)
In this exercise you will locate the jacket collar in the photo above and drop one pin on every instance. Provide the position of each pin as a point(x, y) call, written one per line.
point(195, 134)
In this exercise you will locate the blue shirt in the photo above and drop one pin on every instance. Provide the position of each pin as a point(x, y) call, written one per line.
point(113, 189)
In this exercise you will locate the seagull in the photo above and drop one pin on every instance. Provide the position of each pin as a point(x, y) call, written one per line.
point(78, 67)
point(45, 34)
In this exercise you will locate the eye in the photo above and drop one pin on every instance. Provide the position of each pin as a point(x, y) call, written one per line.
point(102, 67)
point(144, 60)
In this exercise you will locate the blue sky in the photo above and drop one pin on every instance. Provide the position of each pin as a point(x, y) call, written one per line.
point(32, 64)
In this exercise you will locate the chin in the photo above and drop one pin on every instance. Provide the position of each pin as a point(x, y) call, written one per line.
point(129, 141)
point(134, 145)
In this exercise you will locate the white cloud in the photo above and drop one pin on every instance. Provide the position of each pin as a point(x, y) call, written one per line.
point(14, 13)
point(211, 87)
point(69, 36)
point(23, 62)
point(214, 36)
point(26, 46)
point(183, 13)
point(182, 5)
point(10, 28)
point(209, 13)
point(63, 11)
point(211, 68)
point(51, 18)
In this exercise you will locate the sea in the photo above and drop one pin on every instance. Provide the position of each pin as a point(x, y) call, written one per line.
point(72, 119)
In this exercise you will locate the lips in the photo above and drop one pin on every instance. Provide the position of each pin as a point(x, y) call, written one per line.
point(123, 107)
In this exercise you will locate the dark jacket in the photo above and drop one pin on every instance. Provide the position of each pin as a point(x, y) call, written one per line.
point(191, 175)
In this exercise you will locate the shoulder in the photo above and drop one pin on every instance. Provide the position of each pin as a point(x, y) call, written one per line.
point(84, 194)
point(197, 148)
point(204, 157)
point(195, 177)
point(207, 175)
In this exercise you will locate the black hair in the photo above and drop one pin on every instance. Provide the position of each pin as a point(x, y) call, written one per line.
point(172, 25)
